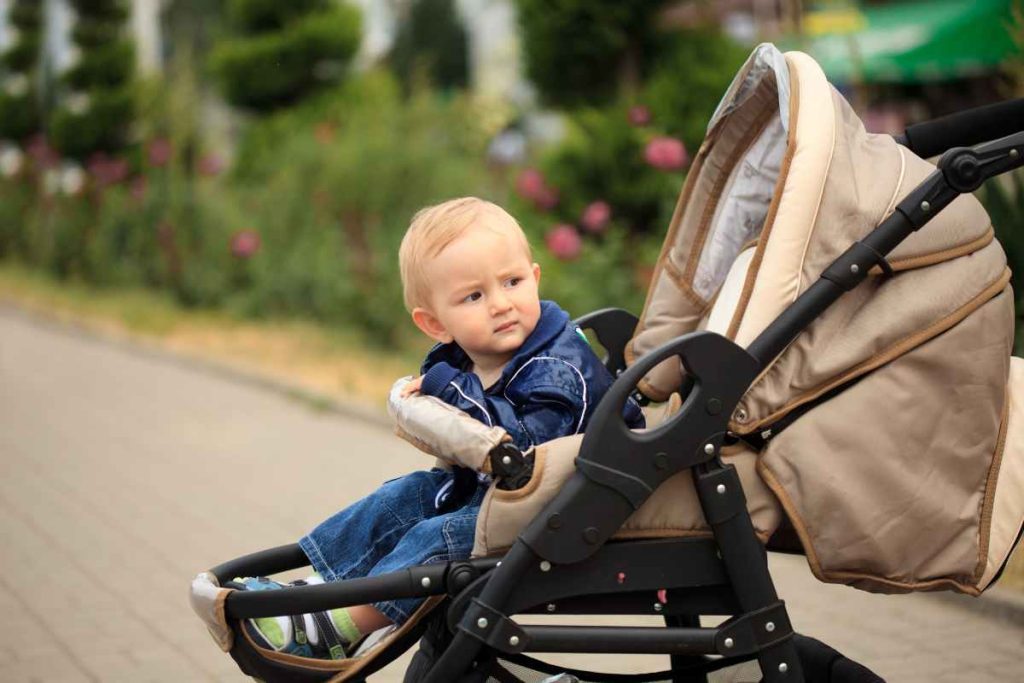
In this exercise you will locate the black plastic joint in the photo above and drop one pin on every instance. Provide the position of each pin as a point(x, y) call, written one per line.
point(926, 200)
point(754, 631)
point(850, 269)
point(631, 487)
point(513, 468)
point(493, 628)
point(721, 495)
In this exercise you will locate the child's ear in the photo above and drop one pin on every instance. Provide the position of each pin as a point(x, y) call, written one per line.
point(430, 325)
point(536, 272)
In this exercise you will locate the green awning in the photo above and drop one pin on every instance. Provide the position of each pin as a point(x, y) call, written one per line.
point(910, 42)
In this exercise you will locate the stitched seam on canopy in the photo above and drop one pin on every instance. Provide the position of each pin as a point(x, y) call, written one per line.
point(923, 260)
point(673, 228)
point(992, 481)
point(769, 219)
point(817, 205)
point(679, 280)
point(894, 350)
point(757, 127)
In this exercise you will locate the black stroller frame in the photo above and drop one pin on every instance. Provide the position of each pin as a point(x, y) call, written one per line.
point(562, 562)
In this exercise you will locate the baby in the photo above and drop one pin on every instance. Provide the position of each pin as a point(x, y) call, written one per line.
point(504, 357)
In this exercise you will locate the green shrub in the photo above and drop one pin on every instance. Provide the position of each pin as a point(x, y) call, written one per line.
point(586, 51)
point(431, 42)
point(695, 68)
point(1004, 200)
point(332, 198)
point(254, 16)
point(16, 201)
point(99, 127)
point(96, 108)
point(271, 69)
point(602, 158)
point(108, 65)
point(20, 115)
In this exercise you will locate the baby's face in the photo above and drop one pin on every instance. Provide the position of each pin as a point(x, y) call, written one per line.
point(484, 292)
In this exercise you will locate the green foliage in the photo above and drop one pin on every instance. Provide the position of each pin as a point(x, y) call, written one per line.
point(274, 68)
point(610, 271)
point(111, 10)
point(255, 16)
point(99, 127)
point(695, 69)
point(26, 15)
point(580, 51)
point(431, 42)
point(20, 116)
point(23, 55)
point(97, 106)
point(16, 197)
point(331, 199)
point(602, 158)
point(104, 66)
point(1004, 200)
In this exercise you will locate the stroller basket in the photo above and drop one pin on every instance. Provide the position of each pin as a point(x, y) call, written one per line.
point(568, 559)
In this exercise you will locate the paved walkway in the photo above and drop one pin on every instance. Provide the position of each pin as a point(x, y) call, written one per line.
point(124, 473)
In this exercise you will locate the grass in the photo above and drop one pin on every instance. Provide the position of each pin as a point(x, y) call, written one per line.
point(328, 363)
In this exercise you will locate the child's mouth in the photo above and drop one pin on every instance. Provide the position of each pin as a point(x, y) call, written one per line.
point(504, 327)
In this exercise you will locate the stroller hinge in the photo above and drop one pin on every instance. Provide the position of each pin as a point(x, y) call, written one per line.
point(754, 631)
point(493, 628)
point(850, 269)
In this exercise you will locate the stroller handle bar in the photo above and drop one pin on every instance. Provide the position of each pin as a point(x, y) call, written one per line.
point(965, 128)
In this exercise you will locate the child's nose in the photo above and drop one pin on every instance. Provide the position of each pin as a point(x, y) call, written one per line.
point(500, 303)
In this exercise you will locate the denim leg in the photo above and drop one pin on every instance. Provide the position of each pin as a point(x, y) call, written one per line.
point(351, 542)
point(443, 538)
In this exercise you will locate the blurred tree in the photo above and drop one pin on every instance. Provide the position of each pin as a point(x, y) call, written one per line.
point(19, 101)
point(695, 68)
point(431, 43)
point(280, 52)
point(96, 106)
point(588, 51)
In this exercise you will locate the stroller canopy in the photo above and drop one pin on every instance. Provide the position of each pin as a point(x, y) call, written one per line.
point(891, 473)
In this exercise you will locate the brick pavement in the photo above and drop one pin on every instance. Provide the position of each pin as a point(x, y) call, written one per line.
point(122, 474)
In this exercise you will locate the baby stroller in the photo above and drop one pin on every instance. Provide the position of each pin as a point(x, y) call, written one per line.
point(833, 380)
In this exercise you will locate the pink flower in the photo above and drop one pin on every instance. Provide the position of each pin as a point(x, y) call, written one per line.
point(596, 216)
point(530, 183)
point(245, 244)
point(42, 153)
point(137, 188)
point(546, 199)
point(666, 154)
point(564, 242)
point(160, 151)
point(639, 115)
point(107, 171)
point(210, 165)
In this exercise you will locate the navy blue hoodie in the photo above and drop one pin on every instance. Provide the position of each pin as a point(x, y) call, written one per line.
point(548, 389)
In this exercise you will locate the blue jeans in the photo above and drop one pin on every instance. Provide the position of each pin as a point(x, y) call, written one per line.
point(395, 527)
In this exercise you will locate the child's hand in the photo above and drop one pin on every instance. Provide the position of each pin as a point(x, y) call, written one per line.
point(412, 387)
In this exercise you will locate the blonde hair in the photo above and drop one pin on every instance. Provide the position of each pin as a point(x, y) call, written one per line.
point(435, 227)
